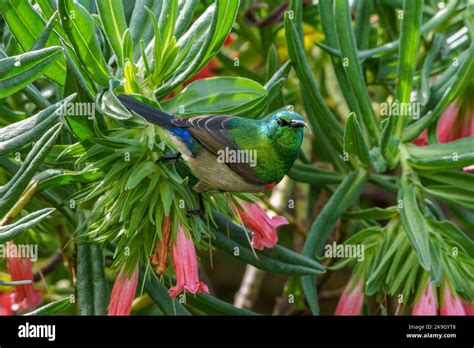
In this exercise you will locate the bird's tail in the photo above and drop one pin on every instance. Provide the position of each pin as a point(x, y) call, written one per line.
point(146, 111)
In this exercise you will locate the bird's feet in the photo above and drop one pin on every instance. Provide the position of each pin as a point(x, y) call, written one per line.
point(170, 157)
point(195, 211)
point(198, 211)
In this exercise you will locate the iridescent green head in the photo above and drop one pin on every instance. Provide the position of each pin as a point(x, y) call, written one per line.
point(286, 129)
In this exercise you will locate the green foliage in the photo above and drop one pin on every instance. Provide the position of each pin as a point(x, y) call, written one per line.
point(99, 169)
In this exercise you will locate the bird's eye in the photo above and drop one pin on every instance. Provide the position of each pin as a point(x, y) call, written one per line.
point(282, 122)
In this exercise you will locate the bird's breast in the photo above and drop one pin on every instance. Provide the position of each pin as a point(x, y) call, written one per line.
point(218, 176)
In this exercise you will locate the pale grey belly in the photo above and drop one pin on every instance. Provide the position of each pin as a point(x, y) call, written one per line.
point(212, 174)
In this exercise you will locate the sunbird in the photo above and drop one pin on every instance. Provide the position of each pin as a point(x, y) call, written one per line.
point(229, 153)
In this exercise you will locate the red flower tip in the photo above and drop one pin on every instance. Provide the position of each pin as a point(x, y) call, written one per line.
point(452, 126)
point(351, 300)
point(24, 296)
point(451, 304)
point(263, 228)
point(468, 307)
point(427, 303)
point(185, 266)
point(123, 293)
point(469, 169)
point(5, 304)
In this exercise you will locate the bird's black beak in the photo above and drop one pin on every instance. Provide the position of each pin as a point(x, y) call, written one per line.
point(298, 124)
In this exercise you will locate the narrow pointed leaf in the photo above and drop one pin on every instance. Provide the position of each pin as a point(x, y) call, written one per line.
point(113, 20)
point(19, 71)
point(26, 26)
point(12, 231)
point(413, 221)
point(354, 142)
point(52, 308)
point(277, 259)
point(345, 195)
point(10, 192)
point(18, 134)
point(410, 37)
point(80, 28)
point(347, 44)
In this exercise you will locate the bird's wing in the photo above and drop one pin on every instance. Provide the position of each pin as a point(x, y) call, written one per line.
point(212, 133)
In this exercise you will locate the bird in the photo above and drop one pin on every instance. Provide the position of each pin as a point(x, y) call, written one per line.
point(229, 153)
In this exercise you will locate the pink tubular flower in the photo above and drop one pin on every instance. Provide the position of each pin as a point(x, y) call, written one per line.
point(427, 303)
point(453, 125)
point(5, 305)
point(123, 293)
point(351, 300)
point(24, 296)
point(451, 304)
point(468, 307)
point(263, 228)
point(469, 169)
point(185, 266)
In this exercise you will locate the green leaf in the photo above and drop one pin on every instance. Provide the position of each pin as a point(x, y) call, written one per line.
point(434, 23)
point(113, 20)
point(362, 23)
point(26, 26)
point(52, 308)
point(185, 16)
point(226, 12)
point(345, 195)
point(19, 71)
point(207, 33)
point(80, 28)
point(18, 134)
point(452, 178)
point(44, 36)
point(214, 95)
point(158, 48)
point(139, 173)
point(300, 63)
point(76, 78)
point(452, 232)
point(110, 105)
point(57, 177)
point(451, 194)
point(313, 175)
point(10, 192)
point(209, 305)
point(159, 294)
point(458, 83)
point(453, 155)
point(92, 289)
point(372, 213)
point(425, 90)
point(12, 231)
point(377, 276)
point(347, 44)
point(354, 142)
point(329, 26)
point(167, 22)
point(277, 259)
point(410, 37)
point(127, 49)
point(140, 27)
point(413, 221)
